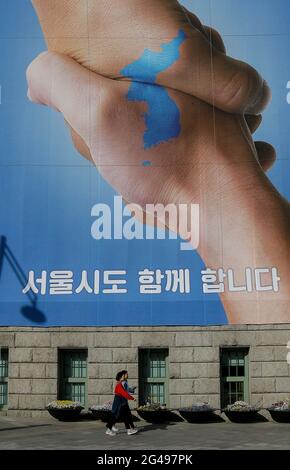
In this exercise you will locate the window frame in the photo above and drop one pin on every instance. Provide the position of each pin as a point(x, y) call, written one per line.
point(151, 380)
point(5, 379)
point(63, 381)
point(232, 378)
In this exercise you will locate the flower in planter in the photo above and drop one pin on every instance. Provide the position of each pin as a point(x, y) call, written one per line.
point(151, 407)
point(199, 406)
point(64, 405)
point(281, 405)
point(107, 406)
point(241, 406)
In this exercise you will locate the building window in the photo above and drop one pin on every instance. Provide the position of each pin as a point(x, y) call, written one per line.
point(3, 377)
point(234, 375)
point(153, 376)
point(73, 375)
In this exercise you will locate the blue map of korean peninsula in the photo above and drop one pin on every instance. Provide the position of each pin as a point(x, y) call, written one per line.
point(163, 116)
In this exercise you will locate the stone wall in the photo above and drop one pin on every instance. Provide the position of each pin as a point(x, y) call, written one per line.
point(193, 361)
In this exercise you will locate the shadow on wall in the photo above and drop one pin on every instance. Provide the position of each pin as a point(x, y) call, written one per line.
point(30, 311)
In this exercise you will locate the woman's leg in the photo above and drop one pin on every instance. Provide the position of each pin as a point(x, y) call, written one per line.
point(112, 421)
point(129, 417)
point(124, 416)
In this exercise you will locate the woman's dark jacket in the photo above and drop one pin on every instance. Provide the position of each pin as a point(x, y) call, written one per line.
point(120, 399)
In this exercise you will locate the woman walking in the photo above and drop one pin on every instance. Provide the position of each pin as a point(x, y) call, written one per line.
point(120, 408)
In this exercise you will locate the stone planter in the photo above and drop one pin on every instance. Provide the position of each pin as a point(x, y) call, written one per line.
point(242, 416)
point(280, 416)
point(65, 414)
point(102, 415)
point(197, 416)
point(155, 416)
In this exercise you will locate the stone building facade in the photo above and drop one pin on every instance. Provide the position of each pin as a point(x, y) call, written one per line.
point(194, 362)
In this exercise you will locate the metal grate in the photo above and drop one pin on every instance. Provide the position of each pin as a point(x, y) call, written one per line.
point(3, 377)
point(153, 375)
point(155, 393)
point(75, 364)
point(233, 391)
point(75, 392)
point(3, 393)
point(73, 375)
point(3, 363)
point(234, 375)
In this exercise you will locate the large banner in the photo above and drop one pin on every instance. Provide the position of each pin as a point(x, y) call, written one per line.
point(145, 171)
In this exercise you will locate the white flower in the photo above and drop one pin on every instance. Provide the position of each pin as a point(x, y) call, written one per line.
point(107, 406)
point(281, 405)
point(64, 405)
point(241, 406)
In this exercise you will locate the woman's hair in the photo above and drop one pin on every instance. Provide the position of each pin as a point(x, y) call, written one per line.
point(120, 375)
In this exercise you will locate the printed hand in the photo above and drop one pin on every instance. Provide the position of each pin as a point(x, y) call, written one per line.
point(113, 129)
point(212, 162)
point(106, 37)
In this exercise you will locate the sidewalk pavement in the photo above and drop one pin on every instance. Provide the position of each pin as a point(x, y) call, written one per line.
point(48, 433)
